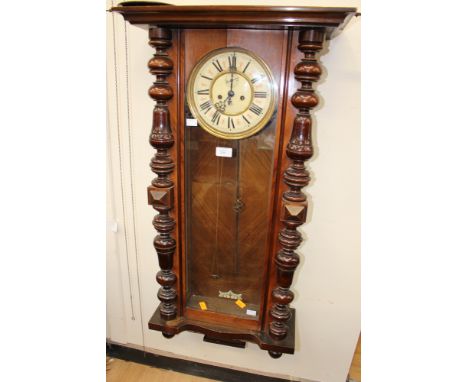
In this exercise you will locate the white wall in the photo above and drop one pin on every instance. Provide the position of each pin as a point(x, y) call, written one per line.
point(327, 282)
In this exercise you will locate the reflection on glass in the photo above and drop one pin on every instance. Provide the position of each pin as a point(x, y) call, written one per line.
point(227, 220)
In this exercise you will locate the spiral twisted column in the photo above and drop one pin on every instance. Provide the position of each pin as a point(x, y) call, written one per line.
point(294, 201)
point(161, 191)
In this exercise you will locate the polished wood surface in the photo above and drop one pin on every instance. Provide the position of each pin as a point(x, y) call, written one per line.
point(282, 163)
point(118, 370)
point(231, 223)
point(226, 330)
point(293, 210)
point(225, 319)
point(331, 19)
point(354, 374)
point(161, 191)
point(187, 366)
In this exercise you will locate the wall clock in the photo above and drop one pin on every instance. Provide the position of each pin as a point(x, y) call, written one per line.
point(233, 94)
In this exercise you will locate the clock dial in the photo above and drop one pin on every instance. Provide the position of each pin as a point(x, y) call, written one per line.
point(232, 93)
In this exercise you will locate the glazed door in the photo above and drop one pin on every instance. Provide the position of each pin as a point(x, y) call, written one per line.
point(228, 198)
point(227, 220)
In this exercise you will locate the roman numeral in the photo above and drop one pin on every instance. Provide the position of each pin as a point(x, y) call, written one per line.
point(255, 109)
point(246, 66)
point(203, 92)
point(216, 117)
point(232, 62)
point(256, 79)
point(206, 106)
point(245, 119)
point(260, 94)
point(208, 78)
point(231, 123)
point(217, 65)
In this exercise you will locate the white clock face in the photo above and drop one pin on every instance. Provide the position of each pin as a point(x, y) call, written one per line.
point(231, 92)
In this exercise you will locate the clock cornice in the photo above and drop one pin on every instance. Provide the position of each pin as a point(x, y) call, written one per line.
point(332, 19)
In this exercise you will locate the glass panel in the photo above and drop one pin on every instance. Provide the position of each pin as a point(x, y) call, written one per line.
point(227, 212)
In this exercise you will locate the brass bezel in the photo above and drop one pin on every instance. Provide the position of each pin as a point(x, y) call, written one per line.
point(231, 135)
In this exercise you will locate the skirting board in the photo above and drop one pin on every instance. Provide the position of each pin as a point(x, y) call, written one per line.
point(186, 366)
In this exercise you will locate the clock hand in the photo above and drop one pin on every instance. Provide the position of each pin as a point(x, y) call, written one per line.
point(228, 98)
point(231, 93)
point(221, 105)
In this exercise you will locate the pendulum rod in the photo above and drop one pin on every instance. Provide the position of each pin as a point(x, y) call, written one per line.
point(219, 176)
point(237, 209)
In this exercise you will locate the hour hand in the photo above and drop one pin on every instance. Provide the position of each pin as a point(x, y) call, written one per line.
point(229, 98)
point(221, 105)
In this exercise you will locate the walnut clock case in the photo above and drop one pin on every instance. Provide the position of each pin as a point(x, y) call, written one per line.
point(232, 130)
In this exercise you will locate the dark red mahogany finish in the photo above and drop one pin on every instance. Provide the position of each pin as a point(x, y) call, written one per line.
point(160, 193)
point(170, 27)
point(332, 19)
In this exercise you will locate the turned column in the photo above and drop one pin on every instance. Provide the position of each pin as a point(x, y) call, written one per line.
point(161, 191)
point(294, 201)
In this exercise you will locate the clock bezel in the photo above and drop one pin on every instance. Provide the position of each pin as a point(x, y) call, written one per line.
point(266, 119)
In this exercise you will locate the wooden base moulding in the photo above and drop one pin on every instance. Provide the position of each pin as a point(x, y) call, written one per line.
point(226, 333)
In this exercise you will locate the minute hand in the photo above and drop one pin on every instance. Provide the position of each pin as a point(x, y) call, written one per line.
point(231, 92)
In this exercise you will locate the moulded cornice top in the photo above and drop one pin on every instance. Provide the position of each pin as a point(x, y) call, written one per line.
point(236, 16)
